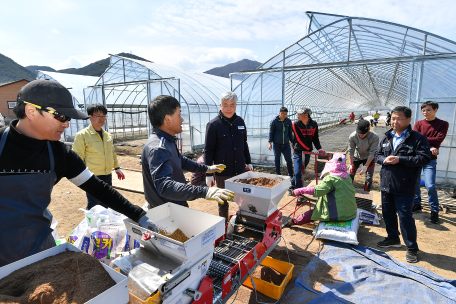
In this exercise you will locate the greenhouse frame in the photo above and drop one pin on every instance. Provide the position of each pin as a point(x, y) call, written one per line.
point(350, 64)
point(128, 85)
point(343, 65)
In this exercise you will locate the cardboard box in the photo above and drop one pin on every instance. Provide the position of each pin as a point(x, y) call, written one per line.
point(116, 294)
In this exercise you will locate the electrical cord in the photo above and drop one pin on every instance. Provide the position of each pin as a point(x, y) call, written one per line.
point(240, 278)
point(286, 277)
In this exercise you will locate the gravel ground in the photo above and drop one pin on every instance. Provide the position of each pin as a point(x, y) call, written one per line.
point(335, 139)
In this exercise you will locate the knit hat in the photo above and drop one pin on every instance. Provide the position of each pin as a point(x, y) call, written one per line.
point(336, 166)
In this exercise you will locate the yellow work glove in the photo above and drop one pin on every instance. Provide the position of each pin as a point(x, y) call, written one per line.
point(215, 168)
point(219, 195)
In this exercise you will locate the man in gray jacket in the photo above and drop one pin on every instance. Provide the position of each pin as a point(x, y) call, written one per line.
point(362, 146)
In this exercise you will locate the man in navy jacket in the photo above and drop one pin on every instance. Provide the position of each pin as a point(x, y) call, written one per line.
point(226, 143)
point(402, 153)
point(280, 136)
point(163, 165)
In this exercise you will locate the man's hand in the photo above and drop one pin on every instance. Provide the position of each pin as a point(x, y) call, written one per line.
point(270, 146)
point(434, 151)
point(391, 160)
point(315, 151)
point(362, 170)
point(249, 167)
point(145, 222)
point(219, 195)
point(120, 174)
point(216, 168)
point(210, 181)
point(350, 168)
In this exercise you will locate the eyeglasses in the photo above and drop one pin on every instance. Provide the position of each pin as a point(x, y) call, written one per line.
point(100, 116)
point(59, 116)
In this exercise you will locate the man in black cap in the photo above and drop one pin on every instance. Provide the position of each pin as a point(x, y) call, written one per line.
point(33, 160)
point(362, 146)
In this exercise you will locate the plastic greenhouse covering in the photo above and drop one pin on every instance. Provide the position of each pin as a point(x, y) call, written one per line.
point(128, 85)
point(349, 64)
point(342, 65)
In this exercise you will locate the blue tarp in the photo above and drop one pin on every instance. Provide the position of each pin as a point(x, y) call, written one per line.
point(341, 273)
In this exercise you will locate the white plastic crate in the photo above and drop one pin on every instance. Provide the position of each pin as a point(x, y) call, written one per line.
point(116, 294)
point(257, 200)
point(203, 228)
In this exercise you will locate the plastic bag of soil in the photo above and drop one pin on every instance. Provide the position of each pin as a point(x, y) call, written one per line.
point(102, 234)
point(77, 236)
point(104, 241)
point(345, 232)
point(55, 234)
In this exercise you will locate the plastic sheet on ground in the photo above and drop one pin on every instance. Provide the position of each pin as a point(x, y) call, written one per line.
point(342, 273)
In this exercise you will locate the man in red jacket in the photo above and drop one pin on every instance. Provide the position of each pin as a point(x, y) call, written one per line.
point(305, 137)
point(352, 117)
point(435, 131)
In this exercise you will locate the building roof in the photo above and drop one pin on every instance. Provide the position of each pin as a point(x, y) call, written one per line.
point(4, 84)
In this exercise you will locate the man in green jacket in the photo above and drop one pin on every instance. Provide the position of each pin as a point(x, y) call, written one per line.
point(336, 194)
point(96, 148)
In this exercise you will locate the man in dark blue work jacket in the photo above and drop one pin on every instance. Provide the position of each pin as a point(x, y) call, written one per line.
point(280, 135)
point(402, 153)
point(162, 164)
point(226, 143)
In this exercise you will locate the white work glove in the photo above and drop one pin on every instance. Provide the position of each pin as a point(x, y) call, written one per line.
point(120, 174)
point(145, 222)
point(315, 151)
point(215, 168)
point(350, 168)
point(219, 195)
point(362, 170)
point(210, 181)
point(249, 167)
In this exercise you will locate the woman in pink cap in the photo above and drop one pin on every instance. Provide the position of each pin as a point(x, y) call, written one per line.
point(336, 194)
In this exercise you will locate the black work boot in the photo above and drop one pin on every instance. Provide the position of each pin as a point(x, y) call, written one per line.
point(389, 242)
point(412, 255)
point(290, 191)
point(416, 208)
point(434, 217)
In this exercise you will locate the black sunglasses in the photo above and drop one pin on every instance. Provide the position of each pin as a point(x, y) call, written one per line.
point(59, 116)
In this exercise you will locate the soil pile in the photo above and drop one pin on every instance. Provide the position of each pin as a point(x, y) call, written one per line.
point(68, 277)
point(177, 235)
point(259, 181)
point(269, 275)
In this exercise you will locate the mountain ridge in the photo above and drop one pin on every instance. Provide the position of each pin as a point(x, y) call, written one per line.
point(224, 71)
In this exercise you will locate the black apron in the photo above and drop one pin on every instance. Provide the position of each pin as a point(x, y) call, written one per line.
point(24, 220)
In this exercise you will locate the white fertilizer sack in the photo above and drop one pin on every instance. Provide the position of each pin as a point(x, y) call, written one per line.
point(345, 232)
point(368, 218)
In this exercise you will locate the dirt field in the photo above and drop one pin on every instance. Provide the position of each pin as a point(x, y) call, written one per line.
point(436, 242)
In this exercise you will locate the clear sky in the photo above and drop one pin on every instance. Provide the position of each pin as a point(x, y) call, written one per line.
point(195, 35)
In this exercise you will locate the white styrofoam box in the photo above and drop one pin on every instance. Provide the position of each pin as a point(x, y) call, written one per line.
point(203, 228)
point(256, 199)
point(116, 294)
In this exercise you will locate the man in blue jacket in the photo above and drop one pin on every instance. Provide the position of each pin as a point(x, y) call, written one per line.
point(162, 164)
point(402, 153)
point(226, 143)
point(280, 136)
